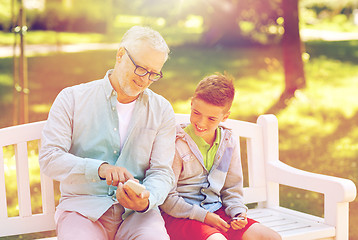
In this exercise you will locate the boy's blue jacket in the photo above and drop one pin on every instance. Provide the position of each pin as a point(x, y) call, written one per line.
point(198, 191)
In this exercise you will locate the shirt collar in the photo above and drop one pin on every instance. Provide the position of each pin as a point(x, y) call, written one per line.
point(199, 140)
point(108, 89)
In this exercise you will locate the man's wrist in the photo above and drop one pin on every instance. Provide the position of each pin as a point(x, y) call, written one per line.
point(144, 210)
point(99, 169)
point(238, 214)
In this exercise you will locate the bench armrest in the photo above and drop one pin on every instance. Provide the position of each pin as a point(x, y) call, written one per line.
point(338, 192)
point(336, 189)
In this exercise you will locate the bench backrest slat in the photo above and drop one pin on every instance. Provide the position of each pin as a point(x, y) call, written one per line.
point(23, 179)
point(47, 191)
point(3, 204)
point(21, 133)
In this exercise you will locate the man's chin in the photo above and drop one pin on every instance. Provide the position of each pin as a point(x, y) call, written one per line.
point(133, 93)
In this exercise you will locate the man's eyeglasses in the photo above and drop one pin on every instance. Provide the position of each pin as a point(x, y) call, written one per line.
point(141, 71)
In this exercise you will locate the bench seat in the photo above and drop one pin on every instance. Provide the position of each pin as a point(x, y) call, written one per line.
point(293, 225)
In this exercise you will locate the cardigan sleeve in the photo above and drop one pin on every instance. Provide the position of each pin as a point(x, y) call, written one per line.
point(232, 191)
point(175, 205)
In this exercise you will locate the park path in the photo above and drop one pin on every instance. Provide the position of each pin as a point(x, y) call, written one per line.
point(325, 35)
point(41, 49)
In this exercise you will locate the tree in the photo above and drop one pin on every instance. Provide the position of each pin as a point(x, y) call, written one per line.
point(222, 26)
point(292, 55)
point(291, 48)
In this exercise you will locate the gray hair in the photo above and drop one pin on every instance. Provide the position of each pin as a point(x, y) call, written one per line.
point(138, 34)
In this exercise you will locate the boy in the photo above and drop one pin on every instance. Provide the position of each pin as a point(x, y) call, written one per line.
point(207, 202)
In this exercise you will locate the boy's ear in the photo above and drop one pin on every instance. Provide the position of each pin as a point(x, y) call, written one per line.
point(226, 116)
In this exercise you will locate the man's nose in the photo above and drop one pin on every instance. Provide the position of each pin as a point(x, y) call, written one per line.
point(145, 78)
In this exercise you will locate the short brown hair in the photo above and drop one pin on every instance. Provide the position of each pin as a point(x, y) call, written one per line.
point(217, 89)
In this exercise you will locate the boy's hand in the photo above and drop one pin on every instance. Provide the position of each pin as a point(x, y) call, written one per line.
point(114, 174)
point(216, 221)
point(239, 224)
point(129, 199)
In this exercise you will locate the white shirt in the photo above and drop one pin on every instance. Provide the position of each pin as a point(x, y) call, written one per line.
point(124, 115)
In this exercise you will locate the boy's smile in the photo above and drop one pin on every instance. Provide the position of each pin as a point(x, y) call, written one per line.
point(206, 117)
point(199, 128)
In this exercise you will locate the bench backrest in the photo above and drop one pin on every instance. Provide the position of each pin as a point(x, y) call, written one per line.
point(251, 135)
point(26, 222)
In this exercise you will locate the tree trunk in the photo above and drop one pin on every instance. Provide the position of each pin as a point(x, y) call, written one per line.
point(292, 56)
point(292, 53)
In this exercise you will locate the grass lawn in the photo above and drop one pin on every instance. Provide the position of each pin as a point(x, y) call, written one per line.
point(318, 129)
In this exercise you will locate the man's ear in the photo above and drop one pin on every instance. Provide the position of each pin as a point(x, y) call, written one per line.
point(121, 51)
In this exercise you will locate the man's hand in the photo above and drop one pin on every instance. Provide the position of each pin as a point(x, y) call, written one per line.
point(129, 199)
point(239, 224)
point(113, 174)
point(216, 221)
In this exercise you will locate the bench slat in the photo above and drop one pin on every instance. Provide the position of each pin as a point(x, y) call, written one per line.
point(3, 204)
point(23, 225)
point(47, 191)
point(256, 163)
point(21, 133)
point(23, 179)
point(254, 194)
point(292, 226)
point(243, 129)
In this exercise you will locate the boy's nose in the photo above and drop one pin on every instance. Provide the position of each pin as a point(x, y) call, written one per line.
point(201, 123)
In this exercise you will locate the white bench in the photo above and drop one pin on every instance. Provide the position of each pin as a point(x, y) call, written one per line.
point(265, 174)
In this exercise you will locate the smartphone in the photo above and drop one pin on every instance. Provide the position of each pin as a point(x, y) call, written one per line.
point(135, 186)
point(236, 218)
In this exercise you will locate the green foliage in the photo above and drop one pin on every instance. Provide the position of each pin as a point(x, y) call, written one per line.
point(248, 22)
point(56, 17)
point(5, 15)
point(328, 15)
